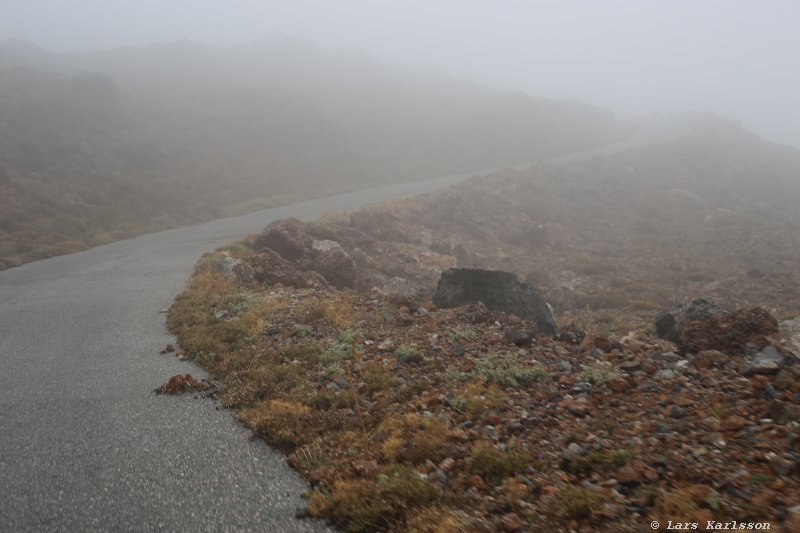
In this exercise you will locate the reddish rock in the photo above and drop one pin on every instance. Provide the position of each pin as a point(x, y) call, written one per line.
point(180, 384)
point(710, 359)
point(619, 384)
point(730, 333)
point(477, 482)
point(511, 522)
point(733, 423)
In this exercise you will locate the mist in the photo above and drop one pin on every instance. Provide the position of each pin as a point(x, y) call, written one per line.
point(733, 58)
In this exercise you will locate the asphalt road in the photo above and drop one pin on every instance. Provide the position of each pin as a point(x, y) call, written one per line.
point(84, 445)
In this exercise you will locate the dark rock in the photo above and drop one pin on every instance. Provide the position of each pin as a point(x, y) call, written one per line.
point(520, 338)
point(286, 237)
point(497, 290)
point(678, 412)
point(630, 366)
point(670, 324)
point(767, 362)
point(784, 412)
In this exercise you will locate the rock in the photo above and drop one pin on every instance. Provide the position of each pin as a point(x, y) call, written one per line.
point(334, 264)
point(564, 366)
point(730, 333)
point(619, 384)
point(630, 366)
point(269, 268)
point(511, 522)
point(791, 330)
point(678, 412)
point(733, 423)
point(710, 359)
point(286, 237)
point(665, 374)
point(520, 338)
point(766, 362)
point(497, 290)
point(573, 450)
point(477, 482)
point(386, 345)
point(579, 407)
point(784, 412)
point(180, 384)
point(670, 324)
point(447, 464)
point(230, 268)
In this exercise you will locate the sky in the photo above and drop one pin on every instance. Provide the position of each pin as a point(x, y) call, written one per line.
point(737, 58)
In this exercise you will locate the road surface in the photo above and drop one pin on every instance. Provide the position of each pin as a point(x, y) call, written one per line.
point(84, 445)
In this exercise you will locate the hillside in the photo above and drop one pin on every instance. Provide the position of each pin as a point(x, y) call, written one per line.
point(405, 416)
point(103, 145)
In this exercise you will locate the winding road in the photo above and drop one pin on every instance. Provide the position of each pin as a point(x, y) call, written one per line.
point(84, 444)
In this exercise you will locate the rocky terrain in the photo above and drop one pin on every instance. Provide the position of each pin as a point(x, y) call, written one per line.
point(642, 367)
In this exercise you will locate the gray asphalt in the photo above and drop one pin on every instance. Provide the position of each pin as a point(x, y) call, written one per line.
point(84, 445)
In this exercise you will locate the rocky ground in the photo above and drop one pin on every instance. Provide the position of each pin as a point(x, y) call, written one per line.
point(405, 415)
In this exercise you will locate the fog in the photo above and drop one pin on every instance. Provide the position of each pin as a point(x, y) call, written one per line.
point(735, 58)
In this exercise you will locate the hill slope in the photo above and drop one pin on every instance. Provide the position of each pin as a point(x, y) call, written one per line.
point(409, 417)
point(102, 145)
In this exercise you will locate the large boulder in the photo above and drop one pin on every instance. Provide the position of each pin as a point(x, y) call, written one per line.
point(498, 291)
point(730, 333)
point(269, 268)
point(670, 324)
point(287, 237)
point(334, 264)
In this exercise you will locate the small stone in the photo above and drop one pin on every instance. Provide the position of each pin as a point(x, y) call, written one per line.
point(619, 384)
point(511, 522)
point(665, 374)
point(766, 362)
point(562, 365)
point(386, 345)
point(520, 338)
point(573, 450)
point(582, 387)
point(671, 357)
point(678, 412)
point(458, 350)
point(733, 423)
point(630, 366)
point(477, 482)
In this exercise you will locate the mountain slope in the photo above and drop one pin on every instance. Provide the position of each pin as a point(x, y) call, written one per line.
point(102, 145)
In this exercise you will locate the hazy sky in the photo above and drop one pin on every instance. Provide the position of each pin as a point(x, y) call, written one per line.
point(734, 57)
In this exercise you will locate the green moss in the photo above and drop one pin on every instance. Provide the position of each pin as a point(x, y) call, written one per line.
point(409, 355)
point(507, 371)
